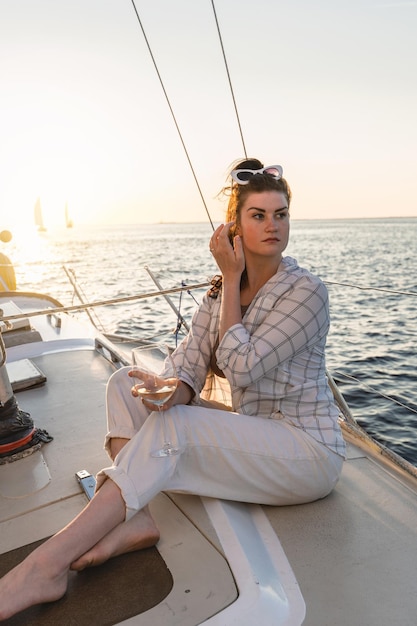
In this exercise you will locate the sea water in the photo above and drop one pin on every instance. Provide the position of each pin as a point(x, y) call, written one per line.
point(367, 265)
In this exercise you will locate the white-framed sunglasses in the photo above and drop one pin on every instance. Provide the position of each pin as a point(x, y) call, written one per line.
point(242, 177)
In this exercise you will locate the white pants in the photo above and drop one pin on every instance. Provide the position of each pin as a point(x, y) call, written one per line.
point(224, 454)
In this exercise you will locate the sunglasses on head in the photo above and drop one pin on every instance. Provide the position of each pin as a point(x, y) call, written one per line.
point(242, 177)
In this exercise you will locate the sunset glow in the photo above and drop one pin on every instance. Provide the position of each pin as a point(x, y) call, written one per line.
point(85, 121)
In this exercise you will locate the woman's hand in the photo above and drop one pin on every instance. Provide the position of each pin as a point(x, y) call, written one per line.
point(143, 379)
point(183, 394)
point(230, 259)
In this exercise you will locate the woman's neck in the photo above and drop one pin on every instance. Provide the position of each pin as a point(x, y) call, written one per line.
point(256, 277)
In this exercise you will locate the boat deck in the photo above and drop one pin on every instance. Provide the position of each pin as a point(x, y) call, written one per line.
point(351, 555)
point(354, 553)
point(40, 494)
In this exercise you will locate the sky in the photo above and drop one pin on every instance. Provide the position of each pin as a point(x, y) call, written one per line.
point(325, 88)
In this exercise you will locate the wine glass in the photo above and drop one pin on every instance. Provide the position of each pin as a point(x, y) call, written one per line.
point(157, 382)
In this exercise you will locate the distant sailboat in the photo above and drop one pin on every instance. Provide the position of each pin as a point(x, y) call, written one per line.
point(68, 221)
point(38, 217)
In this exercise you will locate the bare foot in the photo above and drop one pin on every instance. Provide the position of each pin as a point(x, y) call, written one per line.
point(31, 582)
point(138, 533)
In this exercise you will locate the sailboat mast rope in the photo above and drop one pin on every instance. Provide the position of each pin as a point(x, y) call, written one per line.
point(173, 114)
point(230, 80)
point(172, 110)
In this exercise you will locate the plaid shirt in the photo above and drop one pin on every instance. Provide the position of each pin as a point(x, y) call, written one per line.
point(274, 361)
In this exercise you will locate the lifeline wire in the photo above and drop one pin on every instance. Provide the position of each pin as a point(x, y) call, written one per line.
point(367, 288)
point(378, 393)
point(82, 307)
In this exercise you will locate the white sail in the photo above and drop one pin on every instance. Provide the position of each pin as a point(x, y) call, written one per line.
point(68, 220)
point(38, 216)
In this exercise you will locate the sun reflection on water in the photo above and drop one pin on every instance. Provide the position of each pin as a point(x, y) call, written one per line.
point(31, 253)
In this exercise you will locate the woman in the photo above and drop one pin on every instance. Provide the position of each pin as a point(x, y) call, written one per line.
point(261, 328)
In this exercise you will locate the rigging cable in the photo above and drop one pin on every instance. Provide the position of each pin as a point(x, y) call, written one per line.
point(229, 79)
point(173, 114)
point(172, 110)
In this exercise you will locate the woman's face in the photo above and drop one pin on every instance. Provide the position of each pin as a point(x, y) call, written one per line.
point(264, 224)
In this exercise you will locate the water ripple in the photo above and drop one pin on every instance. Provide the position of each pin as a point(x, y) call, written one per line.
point(372, 338)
